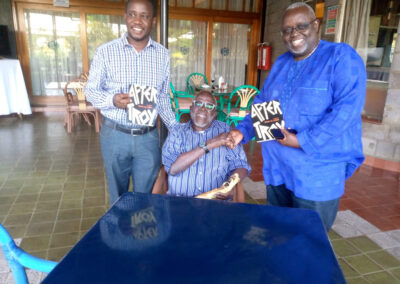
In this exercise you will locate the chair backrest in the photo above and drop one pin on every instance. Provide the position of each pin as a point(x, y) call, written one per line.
point(195, 80)
point(18, 259)
point(245, 95)
point(78, 86)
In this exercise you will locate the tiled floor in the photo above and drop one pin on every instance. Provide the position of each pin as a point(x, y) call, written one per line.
point(52, 189)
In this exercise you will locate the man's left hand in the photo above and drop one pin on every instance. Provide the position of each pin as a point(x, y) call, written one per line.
point(289, 139)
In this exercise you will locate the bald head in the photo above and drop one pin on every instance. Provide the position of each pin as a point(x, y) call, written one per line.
point(206, 94)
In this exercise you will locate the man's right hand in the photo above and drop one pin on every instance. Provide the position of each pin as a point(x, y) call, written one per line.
point(235, 137)
point(121, 100)
point(220, 140)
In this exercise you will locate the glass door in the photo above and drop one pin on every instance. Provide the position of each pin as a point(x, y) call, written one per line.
point(187, 42)
point(54, 45)
point(230, 53)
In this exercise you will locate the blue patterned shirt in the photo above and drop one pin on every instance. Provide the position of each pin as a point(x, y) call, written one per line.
point(323, 103)
point(117, 65)
point(210, 170)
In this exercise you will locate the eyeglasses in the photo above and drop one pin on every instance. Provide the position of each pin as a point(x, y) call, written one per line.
point(132, 15)
point(208, 106)
point(301, 28)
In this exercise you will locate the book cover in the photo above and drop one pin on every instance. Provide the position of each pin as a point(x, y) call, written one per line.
point(142, 109)
point(266, 116)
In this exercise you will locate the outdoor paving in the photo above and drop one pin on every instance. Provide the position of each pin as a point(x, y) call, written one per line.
point(53, 189)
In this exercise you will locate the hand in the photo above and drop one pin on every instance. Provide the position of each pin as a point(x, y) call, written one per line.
point(289, 139)
point(235, 136)
point(224, 196)
point(121, 100)
point(220, 140)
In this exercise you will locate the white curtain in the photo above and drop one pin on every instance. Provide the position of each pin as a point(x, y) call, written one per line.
point(187, 44)
point(230, 53)
point(355, 25)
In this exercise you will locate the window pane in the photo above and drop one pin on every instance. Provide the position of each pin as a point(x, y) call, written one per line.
point(251, 6)
point(54, 50)
point(230, 53)
point(171, 3)
point(236, 5)
point(187, 44)
point(185, 3)
point(202, 4)
point(101, 29)
point(219, 5)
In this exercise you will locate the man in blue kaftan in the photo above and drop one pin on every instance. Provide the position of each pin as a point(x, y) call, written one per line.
point(321, 89)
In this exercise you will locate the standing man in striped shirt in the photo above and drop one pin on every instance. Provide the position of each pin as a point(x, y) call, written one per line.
point(123, 73)
point(195, 155)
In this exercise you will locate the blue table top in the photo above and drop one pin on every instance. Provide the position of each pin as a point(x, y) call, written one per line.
point(148, 238)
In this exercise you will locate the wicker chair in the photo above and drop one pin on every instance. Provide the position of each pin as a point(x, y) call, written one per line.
point(77, 106)
point(195, 80)
point(239, 103)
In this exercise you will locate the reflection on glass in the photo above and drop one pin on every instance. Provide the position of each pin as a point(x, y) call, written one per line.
point(187, 44)
point(54, 50)
point(171, 3)
point(202, 4)
point(235, 5)
point(219, 5)
point(185, 3)
point(101, 29)
point(230, 53)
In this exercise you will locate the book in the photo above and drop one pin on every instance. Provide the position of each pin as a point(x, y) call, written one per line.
point(266, 116)
point(142, 109)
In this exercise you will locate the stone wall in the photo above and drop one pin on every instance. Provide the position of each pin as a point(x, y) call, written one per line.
point(6, 19)
point(383, 140)
point(272, 32)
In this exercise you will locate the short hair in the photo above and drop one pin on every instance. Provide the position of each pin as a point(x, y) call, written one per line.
point(154, 5)
point(208, 93)
point(301, 4)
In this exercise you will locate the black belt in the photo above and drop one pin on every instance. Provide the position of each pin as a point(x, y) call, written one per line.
point(131, 131)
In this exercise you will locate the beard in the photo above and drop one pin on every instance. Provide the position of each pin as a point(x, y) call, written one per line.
point(201, 121)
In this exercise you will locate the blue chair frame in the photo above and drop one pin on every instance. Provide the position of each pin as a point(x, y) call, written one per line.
point(18, 259)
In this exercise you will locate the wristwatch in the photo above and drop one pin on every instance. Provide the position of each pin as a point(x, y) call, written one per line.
point(203, 146)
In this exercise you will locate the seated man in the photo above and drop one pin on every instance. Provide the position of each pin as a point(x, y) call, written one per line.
point(195, 155)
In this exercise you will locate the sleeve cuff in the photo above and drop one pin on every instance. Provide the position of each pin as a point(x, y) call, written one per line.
point(245, 134)
point(304, 142)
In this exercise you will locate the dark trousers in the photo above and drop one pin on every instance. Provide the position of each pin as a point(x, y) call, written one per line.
point(281, 196)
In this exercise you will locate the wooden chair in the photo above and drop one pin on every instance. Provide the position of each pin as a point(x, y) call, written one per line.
point(181, 102)
point(195, 80)
point(239, 102)
point(77, 106)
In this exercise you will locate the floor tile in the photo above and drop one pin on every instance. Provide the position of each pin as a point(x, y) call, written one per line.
point(384, 259)
point(344, 248)
point(64, 239)
point(36, 243)
point(362, 264)
point(381, 278)
point(364, 244)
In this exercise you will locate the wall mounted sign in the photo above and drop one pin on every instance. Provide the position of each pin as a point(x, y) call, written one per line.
point(61, 3)
point(331, 20)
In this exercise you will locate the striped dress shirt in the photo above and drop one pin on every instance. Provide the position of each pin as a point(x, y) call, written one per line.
point(117, 65)
point(210, 170)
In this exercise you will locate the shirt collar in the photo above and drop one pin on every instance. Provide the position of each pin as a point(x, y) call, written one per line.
point(190, 124)
point(125, 42)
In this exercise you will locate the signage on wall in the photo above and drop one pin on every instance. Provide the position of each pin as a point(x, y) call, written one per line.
point(61, 3)
point(331, 19)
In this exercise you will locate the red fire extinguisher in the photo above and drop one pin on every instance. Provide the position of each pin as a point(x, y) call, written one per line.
point(264, 56)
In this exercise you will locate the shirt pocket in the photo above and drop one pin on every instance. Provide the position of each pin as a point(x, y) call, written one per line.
point(313, 101)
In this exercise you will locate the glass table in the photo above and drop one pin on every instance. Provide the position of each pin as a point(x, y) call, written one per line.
point(146, 238)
